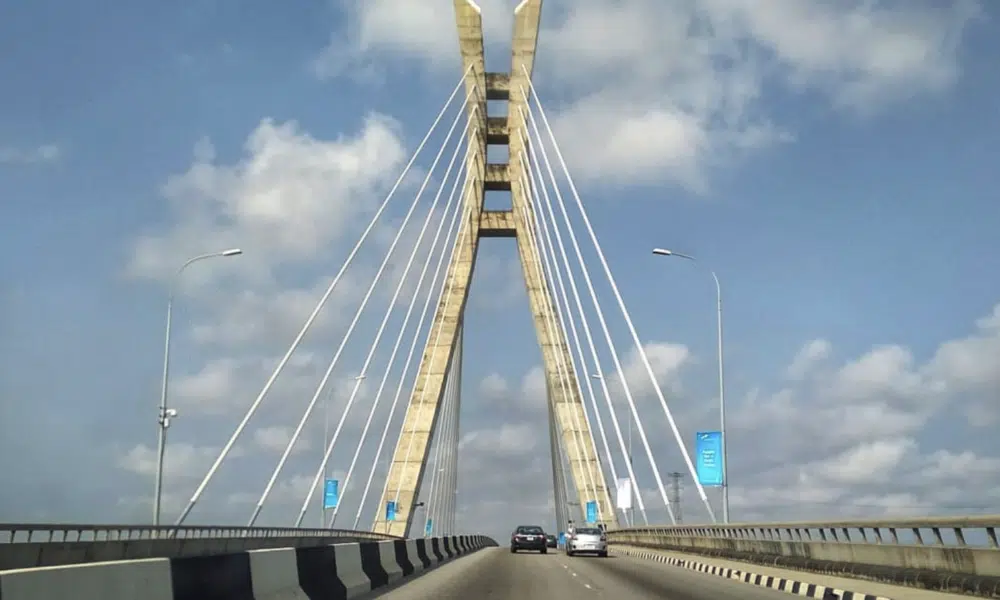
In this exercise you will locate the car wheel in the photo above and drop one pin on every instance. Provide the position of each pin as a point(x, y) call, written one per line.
point(513, 550)
point(569, 552)
point(602, 554)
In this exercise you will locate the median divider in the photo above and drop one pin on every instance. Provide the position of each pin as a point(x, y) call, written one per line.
point(334, 572)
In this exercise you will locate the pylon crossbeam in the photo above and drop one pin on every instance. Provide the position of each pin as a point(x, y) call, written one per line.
point(565, 403)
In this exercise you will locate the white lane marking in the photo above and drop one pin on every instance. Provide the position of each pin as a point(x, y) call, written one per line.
point(587, 585)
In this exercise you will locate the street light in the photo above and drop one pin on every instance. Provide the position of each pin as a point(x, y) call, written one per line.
point(165, 414)
point(722, 384)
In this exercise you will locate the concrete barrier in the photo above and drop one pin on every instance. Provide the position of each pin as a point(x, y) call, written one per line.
point(24, 555)
point(334, 572)
point(914, 552)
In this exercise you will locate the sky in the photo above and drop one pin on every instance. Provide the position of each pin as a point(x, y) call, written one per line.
point(832, 162)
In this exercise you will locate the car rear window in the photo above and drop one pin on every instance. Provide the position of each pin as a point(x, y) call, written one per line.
point(588, 531)
point(530, 530)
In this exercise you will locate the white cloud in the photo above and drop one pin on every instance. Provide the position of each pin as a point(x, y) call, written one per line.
point(667, 88)
point(276, 439)
point(506, 440)
point(181, 460)
point(494, 387)
point(857, 432)
point(667, 361)
point(45, 153)
point(809, 356)
point(867, 462)
point(287, 199)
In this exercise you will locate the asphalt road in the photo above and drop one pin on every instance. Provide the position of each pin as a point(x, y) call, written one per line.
point(496, 574)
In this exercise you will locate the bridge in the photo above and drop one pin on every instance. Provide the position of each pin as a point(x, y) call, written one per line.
point(414, 529)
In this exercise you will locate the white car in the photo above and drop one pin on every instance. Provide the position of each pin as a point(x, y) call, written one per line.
point(587, 540)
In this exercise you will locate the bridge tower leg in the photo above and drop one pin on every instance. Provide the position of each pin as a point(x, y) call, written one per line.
point(566, 406)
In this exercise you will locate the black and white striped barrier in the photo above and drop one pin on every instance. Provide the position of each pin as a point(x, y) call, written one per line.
point(335, 572)
point(799, 588)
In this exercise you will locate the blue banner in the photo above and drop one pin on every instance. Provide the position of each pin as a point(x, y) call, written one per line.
point(428, 527)
point(330, 494)
point(390, 511)
point(708, 447)
point(562, 538)
point(591, 512)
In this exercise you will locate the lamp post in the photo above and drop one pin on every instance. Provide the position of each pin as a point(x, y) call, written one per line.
point(722, 382)
point(165, 414)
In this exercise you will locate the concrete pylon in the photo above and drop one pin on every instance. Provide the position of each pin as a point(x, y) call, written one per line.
point(407, 469)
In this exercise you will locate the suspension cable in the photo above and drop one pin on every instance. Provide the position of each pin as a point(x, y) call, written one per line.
point(402, 328)
point(533, 163)
point(431, 506)
point(413, 346)
point(621, 304)
point(423, 391)
point(561, 368)
point(603, 322)
point(548, 252)
point(315, 313)
point(452, 449)
point(435, 440)
point(395, 297)
point(357, 316)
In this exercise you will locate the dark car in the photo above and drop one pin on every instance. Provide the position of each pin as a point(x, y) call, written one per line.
point(551, 541)
point(528, 537)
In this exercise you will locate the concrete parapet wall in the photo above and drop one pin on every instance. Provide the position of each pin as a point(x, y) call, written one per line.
point(967, 560)
point(335, 571)
point(980, 585)
point(25, 555)
point(944, 553)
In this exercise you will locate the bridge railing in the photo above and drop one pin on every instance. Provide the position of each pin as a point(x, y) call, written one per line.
point(60, 533)
point(25, 545)
point(915, 548)
point(943, 531)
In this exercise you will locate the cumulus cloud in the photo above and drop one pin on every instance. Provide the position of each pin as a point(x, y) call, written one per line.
point(855, 427)
point(668, 88)
point(181, 460)
point(671, 88)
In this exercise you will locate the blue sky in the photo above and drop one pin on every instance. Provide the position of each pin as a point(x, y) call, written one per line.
point(833, 162)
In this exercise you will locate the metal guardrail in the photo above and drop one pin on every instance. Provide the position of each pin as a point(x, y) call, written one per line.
point(922, 531)
point(13, 533)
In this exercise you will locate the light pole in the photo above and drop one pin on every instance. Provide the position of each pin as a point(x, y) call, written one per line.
point(722, 382)
point(165, 414)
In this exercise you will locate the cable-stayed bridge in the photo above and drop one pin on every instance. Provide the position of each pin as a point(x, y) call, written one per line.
point(419, 389)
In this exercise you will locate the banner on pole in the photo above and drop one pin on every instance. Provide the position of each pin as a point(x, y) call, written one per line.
point(428, 527)
point(591, 512)
point(331, 493)
point(709, 467)
point(390, 511)
point(624, 493)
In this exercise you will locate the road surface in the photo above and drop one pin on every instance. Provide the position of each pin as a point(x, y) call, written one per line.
point(496, 574)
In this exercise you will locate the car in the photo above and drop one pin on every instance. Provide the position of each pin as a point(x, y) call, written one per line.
point(551, 541)
point(528, 537)
point(587, 540)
